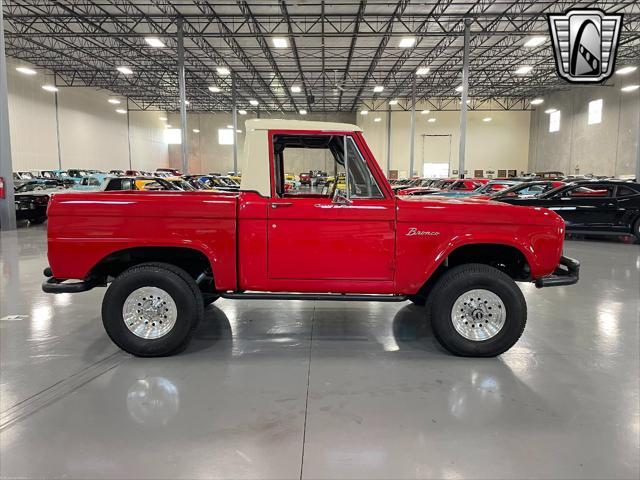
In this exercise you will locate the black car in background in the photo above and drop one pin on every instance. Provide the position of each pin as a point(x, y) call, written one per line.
point(32, 198)
point(594, 207)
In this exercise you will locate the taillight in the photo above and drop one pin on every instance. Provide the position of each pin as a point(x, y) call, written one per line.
point(1, 187)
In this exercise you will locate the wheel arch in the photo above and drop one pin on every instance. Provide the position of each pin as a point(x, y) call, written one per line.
point(194, 261)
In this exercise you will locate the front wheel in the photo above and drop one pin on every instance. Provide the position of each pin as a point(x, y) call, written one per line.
point(151, 310)
point(477, 311)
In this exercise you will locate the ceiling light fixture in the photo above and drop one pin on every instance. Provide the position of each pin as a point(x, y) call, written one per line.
point(550, 110)
point(459, 88)
point(425, 112)
point(378, 88)
point(523, 70)
point(124, 70)
point(296, 89)
point(393, 102)
point(535, 41)
point(121, 110)
point(229, 126)
point(303, 112)
point(630, 88)
point(154, 42)
point(49, 88)
point(377, 119)
point(431, 120)
point(163, 119)
point(280, 42)
point(195, 130)
point(214, 89)
point(622, 71)
point(486, 119)
point(364, 112)
point(253, 102)
point(242, 112)
point(26, 70)
point(407, 42)
point(536, 101)
point(114, 101)
point(422, 70)
point(223, 71)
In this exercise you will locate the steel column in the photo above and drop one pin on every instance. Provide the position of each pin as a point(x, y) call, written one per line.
point(638, 144)
point(129, 134)
point(235, 123)
point(58, 132)
point(388, 141)
point(7, 207)
point(465, 95)
point(413, 125)
point(183, 100)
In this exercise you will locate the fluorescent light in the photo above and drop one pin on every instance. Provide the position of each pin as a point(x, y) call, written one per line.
point(550, 110)
point(223, 71)
point(238, 131)
point(253, 102)
point(459, 88)
point(364, 112)
point(378, 88)
point(425, 112)
point(195, 130)
point(377, 119)
point(630, 88)
point(535, 41)
point(229, 126)
point(121, 110)
point(523, 70)
point(406, 42)
point(26, 70)
point(393, 102)
point(164, 119)
point(620, 71)
point(536, 101)
point(431, 120)
point(213, 89)
point(280, 42)
point(124, 70)
point(114, 101)
point(49, 88)
point(303, 112)
point(242, 112)
point(186, 102)
point(486, 119)
point(422, 70)
point(154, 42)
point(296, 89)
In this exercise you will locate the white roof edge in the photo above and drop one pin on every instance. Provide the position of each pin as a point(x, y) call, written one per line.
point(279, 124)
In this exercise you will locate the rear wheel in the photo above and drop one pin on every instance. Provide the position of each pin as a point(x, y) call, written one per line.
point(477, 310)
point(152, 309)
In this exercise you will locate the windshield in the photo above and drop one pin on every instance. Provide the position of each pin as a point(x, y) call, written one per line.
point(181, 184)
point(520, 189)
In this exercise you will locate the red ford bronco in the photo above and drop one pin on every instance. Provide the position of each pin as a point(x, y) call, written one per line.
point(167, 254)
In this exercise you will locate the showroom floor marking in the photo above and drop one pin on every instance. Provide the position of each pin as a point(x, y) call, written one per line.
point(61, 389)
point(306, 402)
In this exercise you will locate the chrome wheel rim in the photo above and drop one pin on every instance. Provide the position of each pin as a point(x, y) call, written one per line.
point(478, 315)
point(149, 312)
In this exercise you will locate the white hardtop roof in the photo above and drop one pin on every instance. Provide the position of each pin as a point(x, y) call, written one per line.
point(279, 124)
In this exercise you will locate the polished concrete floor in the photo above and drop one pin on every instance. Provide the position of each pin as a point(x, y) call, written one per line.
point(322, 390)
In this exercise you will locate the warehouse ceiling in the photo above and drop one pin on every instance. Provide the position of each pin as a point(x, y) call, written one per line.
point(336, 52)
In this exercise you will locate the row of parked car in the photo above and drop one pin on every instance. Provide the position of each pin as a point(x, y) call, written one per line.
point(590, 206)
point(34, 188)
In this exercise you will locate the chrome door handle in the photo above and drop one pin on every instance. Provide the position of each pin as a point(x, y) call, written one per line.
point(281, 204)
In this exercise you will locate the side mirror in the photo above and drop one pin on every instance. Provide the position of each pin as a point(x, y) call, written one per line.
point(339, 198)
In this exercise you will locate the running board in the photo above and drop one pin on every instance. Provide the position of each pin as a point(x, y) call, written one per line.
point(340, 297)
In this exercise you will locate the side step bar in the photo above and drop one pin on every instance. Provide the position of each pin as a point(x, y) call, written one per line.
point(340, 297)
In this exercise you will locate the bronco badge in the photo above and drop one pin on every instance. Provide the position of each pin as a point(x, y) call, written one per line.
point(413, 231)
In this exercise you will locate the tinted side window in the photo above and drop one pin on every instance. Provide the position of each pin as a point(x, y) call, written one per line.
point(626, 192)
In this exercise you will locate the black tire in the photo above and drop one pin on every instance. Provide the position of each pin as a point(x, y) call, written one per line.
point(209, 298)
point(417, 300)
point(462, 279)
point(636, 229)
point(174, 281)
